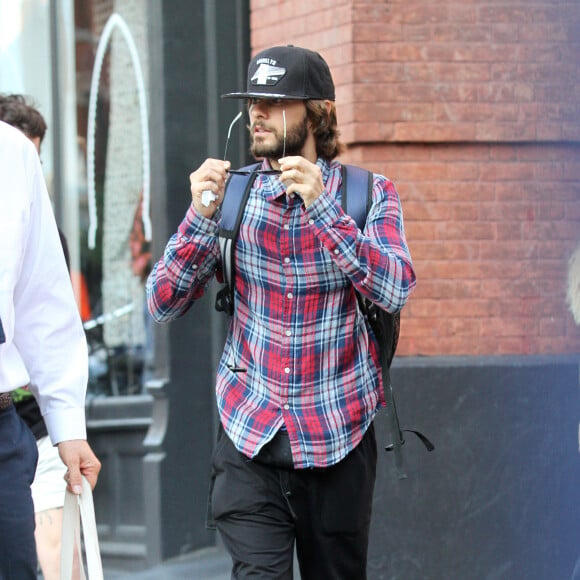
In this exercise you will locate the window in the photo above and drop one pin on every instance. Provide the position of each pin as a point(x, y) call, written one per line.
point(49, 51)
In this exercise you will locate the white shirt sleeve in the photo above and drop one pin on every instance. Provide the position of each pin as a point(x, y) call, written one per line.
point(45, 342)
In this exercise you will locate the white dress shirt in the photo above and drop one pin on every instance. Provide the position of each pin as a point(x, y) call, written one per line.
point(45, 343)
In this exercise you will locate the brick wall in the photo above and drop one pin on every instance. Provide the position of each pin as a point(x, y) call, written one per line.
point(472, 108)
point(490, 228)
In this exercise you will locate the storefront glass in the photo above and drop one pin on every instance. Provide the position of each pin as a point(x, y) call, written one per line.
point(95, 158)
point(25, 61)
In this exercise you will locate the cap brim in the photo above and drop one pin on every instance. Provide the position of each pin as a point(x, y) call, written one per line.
point(262, 96)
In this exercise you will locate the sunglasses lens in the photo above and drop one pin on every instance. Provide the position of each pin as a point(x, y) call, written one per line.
point(257, 172)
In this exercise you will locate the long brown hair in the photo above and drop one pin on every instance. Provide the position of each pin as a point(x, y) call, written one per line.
point(325, 128)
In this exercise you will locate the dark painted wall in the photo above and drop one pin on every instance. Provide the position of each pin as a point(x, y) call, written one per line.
point(196, 55)
point(499, 498)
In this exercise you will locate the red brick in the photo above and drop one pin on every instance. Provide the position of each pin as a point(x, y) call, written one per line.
point(571, 211)
point(434, 289)
point(465, 212)
point(507, 212)
point(473, 308)
point(438, 132)
point(421, 250)
point(415, 112)
point(421, 230)
point(428, 211)
point(504, 132)
point(571, 133)
point(567, 192)
point(553, 327)
point(472, 110)
point(466, 191)
point(424, 308)
point(467, 231)
point(556, 249)
point(509, 231)
point(510, 327)
point(455, 153)
point(468, 289)
point(501, 112)
point(509, 251)
point(551, 231)
point(557, 211)
point(498, 93)
point(550, 132)
point(499, 13)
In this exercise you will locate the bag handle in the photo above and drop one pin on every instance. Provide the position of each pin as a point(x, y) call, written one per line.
point(71, 526)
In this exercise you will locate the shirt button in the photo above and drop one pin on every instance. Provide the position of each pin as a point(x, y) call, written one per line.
point(336, 252)
point(194, 266)
point(290, 295)
point(286, 260)
point(286, 226)
point(287, 370)
point(286, 406)
point(310, 222)
point(288, 333)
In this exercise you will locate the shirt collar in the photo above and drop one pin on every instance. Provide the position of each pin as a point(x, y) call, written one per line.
point(272, 187)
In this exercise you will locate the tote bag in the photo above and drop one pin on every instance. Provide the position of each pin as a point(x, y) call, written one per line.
point(79, 513)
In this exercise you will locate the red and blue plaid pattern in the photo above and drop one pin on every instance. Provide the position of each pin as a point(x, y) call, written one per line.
point(306, 357)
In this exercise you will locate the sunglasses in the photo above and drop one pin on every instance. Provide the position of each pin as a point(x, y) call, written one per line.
point(258, 171)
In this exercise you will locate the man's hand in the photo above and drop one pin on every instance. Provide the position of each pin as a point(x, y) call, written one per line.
point(211, 176)
point(301, 177)
point(79, 458)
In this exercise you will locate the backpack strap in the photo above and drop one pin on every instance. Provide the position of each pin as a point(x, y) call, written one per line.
point(236, 195)
point(355, 205)
point(356, 180)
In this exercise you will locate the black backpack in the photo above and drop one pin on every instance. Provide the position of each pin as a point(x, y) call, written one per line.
point(384, 325)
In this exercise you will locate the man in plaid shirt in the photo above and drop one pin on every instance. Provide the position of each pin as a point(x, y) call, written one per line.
point(299, 381)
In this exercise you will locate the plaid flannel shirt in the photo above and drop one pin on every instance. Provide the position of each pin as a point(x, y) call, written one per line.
point(310, 364)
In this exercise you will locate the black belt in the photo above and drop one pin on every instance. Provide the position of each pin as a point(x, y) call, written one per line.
point(5, 401)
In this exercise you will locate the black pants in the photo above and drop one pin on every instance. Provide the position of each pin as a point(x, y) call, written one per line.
point(261, 511)
point(18, 457)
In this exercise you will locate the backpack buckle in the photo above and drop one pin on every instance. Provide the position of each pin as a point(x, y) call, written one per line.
point(224, 302)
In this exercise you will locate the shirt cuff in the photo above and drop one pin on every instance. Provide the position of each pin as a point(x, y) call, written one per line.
point(323, 212)
point(66, 425)
point(194, 224)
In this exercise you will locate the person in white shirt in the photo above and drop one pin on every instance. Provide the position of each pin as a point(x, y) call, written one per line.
point(48, 487)
point(42, 344)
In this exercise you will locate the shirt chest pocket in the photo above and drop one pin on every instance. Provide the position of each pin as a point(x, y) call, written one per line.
point(319, 269)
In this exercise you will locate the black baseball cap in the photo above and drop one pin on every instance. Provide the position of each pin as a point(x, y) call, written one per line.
point(288, 72)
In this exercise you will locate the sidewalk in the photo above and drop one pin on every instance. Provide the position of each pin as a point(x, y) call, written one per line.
point(207, 564)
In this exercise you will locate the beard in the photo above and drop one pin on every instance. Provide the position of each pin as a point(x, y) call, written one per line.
point(295, 140)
